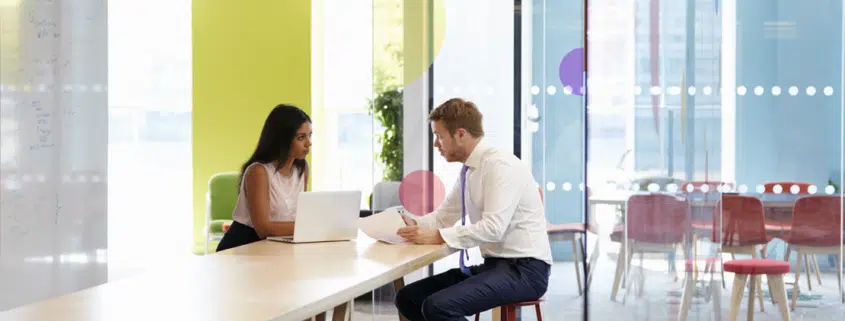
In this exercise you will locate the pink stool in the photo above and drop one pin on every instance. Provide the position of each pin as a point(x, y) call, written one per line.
point(772, 269)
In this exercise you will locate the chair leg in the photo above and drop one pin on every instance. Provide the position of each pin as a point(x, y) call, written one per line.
point(809, 268)
point(576, 260)
point(818, 271)
point(477, 316)
point(798, 263)
point(736, 295)
point(686, 297)
point(779, 295)
point(618, 278)
point(539, 313)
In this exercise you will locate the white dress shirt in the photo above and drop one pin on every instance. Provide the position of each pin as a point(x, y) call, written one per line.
point(504, 210)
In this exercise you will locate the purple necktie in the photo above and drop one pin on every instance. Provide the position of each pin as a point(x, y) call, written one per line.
point(463, 253)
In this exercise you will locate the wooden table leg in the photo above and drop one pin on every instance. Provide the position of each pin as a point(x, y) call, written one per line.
point(398, 284)
point(340, 312)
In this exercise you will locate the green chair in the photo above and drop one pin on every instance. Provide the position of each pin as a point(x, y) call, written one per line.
point(220, 203)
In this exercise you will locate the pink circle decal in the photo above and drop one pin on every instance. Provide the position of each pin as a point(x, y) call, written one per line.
point(421, 192)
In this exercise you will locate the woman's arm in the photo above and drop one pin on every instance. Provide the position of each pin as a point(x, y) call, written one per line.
point(257, 191)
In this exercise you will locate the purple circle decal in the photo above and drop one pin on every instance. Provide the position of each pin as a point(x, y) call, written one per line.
point(571, 71)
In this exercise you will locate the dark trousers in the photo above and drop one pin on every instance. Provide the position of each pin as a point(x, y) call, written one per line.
point(238, 234)
point(453, 295)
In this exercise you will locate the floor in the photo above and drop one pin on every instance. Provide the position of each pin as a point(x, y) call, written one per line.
point(659, 301)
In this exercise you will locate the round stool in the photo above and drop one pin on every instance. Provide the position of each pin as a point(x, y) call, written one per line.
point(508, 311)
point(772, 269)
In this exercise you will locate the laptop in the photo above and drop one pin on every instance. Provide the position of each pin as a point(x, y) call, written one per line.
point(325, 216)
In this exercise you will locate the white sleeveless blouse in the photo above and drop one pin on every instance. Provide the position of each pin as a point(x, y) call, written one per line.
point(284, 192)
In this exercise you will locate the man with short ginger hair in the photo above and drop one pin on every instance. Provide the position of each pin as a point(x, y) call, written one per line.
point(500, 210)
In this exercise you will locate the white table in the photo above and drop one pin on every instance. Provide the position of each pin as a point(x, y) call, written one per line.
point(261, 281)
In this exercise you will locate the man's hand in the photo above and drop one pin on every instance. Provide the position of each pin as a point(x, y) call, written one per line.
point(420, 235)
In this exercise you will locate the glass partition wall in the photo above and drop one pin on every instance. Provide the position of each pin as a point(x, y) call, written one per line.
point(674, 138)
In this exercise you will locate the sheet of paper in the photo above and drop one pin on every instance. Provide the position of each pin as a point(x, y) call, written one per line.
point(383, 226)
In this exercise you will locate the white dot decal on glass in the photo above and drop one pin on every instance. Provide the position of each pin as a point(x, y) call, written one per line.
point(581, 186)
point(707, 91)
point(567, 90)
point(828, 91)
point(705, 188)
point(11, 88)
point(40, 178)
point(582, 90)
point(691, 90)
point(83, 88)
point(533, 126)
point(68, 87)
point(777, 189)
point(674, 90)
point(81, 179)
point(811, 91)
point(66, 178)
point(2, 88)
point(97, 88)
point(535, 90)
point(27, 88)
point(690, 188)
point(638, 90)
point(793, 90)
point(550, 186)
point(533, 113)
point(672, 188)
point(551, 90)
point(635, 187)
point(740, 90)
point(743, 188)
point(27, 178)
point(653, 187)
point(761, 189)
point(655, 90)
point(812, 189)
point(776, 90)
point(758, 91)
point(95, 179)
point(829, 189)
point(721, 188)
point(567, 186)
point(795, 189)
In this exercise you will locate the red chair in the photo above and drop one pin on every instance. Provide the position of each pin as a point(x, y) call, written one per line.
point(743, 229)
point(655, 223)
point(816, 229)
point(772, 269)
point(779, 227)
point(508, 312)
point(574, 233)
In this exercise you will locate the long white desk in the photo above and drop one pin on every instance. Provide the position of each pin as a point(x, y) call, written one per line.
point(261, 281)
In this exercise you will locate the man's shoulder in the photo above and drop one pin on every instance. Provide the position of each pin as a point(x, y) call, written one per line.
point(501, 159)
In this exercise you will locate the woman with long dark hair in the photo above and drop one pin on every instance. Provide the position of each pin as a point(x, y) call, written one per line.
point(272, 179)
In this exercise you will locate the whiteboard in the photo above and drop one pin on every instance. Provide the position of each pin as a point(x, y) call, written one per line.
point(53, 148)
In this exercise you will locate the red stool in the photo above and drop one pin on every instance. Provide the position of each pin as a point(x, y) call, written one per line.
point(772, 269)
point(508, 312)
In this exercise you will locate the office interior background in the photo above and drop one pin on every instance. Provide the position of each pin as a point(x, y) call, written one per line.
point(111, 126)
